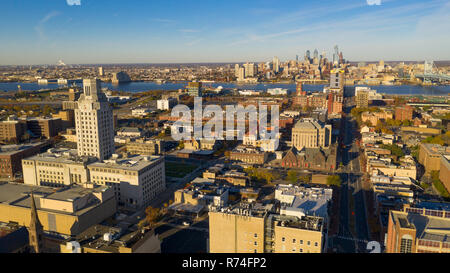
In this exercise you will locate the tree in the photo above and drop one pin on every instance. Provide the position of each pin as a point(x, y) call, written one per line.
point(334, 180)
point(395, 150)
point(152, 215)
point(292, 176)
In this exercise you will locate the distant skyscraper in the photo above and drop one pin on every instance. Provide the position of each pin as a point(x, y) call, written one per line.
point(236, 70)
point(195, 88)
point(241, 74)
point(276, 65)
point(94, 122)
point(308, 55)
point(336, 55)
point(100, 71)
point(249, 69)
point(316, 54)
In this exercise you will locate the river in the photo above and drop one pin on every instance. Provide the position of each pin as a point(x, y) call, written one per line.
point(148, 86)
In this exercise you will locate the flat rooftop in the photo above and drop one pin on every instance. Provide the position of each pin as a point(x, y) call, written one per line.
point(308, 124)
point(311, 223)
point(62, 155)
point(13, 149)
point(19, 195)
point(132, 163)
point(94, 238)
point(244, 209)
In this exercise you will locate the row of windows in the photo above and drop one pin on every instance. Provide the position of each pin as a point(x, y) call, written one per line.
point(283, 239)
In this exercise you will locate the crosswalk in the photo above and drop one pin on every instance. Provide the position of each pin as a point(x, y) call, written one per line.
point(352, 239)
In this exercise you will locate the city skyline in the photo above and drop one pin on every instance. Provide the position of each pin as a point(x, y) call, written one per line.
point(221, 32)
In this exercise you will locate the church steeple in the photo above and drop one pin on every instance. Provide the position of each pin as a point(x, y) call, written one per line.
point(35, 230)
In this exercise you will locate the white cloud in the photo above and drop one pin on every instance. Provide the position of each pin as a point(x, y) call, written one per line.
point(40, 27)
point(373, 2)
point(74, 2)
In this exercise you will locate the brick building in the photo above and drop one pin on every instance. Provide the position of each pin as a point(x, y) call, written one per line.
point(11, 156)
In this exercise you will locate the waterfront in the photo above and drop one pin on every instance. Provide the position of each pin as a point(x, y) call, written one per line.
point(136, 87)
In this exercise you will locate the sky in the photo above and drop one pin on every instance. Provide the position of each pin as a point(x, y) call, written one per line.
point(187, 31)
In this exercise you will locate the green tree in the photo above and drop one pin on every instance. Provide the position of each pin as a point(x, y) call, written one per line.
point(292, 176)
point(334, 180)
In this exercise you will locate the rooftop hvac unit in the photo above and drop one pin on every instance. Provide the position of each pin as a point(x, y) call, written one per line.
point(107, 237)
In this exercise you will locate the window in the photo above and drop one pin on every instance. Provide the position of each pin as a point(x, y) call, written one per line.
point(406, 244)
point(283, 239)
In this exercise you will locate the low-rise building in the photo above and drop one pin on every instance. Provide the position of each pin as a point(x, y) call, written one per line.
point(303, 201)
point(199, 197)
point(12, 130)
point(310, 133)
point(249, 155)
point(374, 117)
point(110, 239)
point(135, 180)
point(44, 127)
point(140, 112)
point(430, 156)
point(66, 211)
point(145, 147)
point(311, 158)
point(418, 230)
point(444, 172)
point(255, 228)
point(130, 132)
point(166, 104)
point(11, 156)
point(385, 167)
point(56, 168)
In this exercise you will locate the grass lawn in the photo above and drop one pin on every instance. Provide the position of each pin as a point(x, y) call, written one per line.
point(179, 170)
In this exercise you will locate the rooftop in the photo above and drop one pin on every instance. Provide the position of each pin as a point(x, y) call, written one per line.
point(308, 124)
point(14, 194)
point(132, 163)
point(62, 155)
point(109, 238)
point(13, 149)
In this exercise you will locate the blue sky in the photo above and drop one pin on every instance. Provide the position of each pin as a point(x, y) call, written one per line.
point(172, 31)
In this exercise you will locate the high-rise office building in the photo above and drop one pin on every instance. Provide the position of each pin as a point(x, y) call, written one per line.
point(307, 55)
point(94, 122)
point(241, 74)
point(276, 65)
point(236, 70)
point(316, 54)
point(336, 55)
point(337, 79)
point(101, 73)
point(362, 99)
point(195, 89)
point(249, 69)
